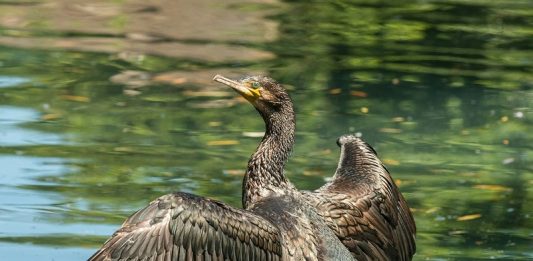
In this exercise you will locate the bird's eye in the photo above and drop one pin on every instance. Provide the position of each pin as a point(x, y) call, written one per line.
point(256, 85)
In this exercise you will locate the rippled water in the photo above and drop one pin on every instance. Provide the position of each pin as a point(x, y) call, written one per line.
point(107, 105)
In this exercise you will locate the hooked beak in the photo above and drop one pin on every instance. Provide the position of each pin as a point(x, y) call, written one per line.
point(247, 92)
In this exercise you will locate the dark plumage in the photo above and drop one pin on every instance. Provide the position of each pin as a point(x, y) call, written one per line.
point(360, 211)
point(363, 206)
point(182, 226)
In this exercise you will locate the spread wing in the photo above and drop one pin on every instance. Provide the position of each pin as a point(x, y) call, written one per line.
point(182, 226)
point(364, 207)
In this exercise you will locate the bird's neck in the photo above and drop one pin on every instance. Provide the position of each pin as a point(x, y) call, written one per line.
point(265, 167)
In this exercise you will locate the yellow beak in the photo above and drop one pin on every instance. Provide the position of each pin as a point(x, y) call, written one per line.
point(247, 92)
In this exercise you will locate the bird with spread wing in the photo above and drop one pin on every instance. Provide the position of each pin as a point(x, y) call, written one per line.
point(359, 215)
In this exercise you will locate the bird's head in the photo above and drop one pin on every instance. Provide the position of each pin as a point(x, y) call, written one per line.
point(264, 93)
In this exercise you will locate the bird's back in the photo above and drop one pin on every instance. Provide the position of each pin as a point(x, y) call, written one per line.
point(305, 235)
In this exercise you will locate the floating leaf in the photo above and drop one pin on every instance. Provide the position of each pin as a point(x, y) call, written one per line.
point(432, 210)
point(123, 149)
point(142, 131)
point(498, 188)
point(398, 182)
point(457, 232)
point(253, 134)
point(390, 130)
point(170, 78)
point(50, 117)
point(395, 81)
point(215, 123)
point(398, 119)
point(468, 217)
point(143, 37)
point(325, 152)
point(161, 98)
point(234, 172)
point(75, 98)
point(222, 142)
point(312, 172)
point(391, 162)
point(359, 94)
point(335, 91)
point(129, 92)
point(508, 161)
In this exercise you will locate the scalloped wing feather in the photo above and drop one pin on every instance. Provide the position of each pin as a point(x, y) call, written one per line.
point(182, 226)
point(363, 206)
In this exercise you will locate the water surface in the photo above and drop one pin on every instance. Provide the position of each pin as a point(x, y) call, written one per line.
point(105, 106)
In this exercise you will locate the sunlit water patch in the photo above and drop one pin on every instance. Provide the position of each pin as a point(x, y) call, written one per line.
point(11, 81)
point(35, 217)
point(13, 134)
point(25, 252)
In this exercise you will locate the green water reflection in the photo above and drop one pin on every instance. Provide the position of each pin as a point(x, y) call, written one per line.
point(115, 107)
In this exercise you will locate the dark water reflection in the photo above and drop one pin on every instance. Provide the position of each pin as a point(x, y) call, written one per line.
point(103, 113)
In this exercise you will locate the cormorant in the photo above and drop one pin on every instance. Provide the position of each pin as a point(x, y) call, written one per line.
point(276, 224)
point(360, 210)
